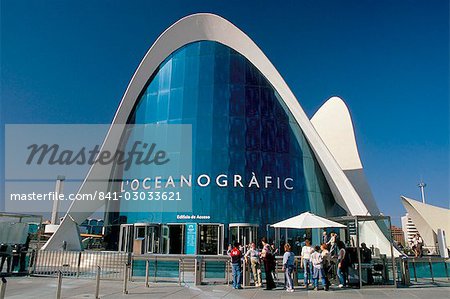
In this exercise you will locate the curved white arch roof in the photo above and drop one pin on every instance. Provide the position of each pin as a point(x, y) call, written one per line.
point(334, 125)
point(198, 27)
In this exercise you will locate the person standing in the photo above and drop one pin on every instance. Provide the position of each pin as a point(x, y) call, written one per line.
point(253, 255)
point(236, 257)
point(366, 258)
point(268, 259)
point(419, 245)
point(324, 237)
point(342, 271)
point(317, 265)
point(414, 245)
point(326, 264)
point(332, 243)
point(288, 267)
point(306, 262)
point(6, 254)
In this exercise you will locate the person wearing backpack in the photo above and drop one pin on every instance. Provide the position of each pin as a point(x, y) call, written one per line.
point(236, 256)
point(288, 267)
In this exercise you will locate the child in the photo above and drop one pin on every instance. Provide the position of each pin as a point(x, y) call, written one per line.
point(318, 272)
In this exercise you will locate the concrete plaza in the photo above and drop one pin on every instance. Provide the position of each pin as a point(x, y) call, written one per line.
point(44, 287)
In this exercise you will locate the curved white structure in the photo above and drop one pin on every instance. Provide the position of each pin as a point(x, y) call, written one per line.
point(428, 220)
point(334, 125)
point(200, 27)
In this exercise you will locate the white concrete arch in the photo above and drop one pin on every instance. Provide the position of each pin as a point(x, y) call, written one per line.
point(333, 123)
point(198, 27)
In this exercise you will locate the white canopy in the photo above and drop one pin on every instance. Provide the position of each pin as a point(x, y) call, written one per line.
point(307, 220)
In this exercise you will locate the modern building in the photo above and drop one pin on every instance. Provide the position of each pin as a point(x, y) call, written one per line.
point(409, 229)
point(256, 158)
point(433, 223)
point(398, 235)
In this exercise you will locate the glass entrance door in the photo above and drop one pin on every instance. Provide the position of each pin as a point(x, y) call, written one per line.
point(244, 233)
point(172, 238)
point(126, 238)
point(210, 241)
point(176, 238)
point(152, 240)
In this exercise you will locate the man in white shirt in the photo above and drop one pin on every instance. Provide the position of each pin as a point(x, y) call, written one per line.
point(306, 262)
point(254, 254)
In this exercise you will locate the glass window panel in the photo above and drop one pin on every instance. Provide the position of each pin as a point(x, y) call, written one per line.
point(251, 101)
point(237, 69)
point(237, 101)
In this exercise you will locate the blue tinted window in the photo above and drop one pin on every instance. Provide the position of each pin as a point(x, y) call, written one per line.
point(240, 126)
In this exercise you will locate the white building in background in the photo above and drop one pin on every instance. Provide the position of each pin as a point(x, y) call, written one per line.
point(409, 229)
point(432, 222)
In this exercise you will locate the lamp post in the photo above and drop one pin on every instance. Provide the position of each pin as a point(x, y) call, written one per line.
point(422, 186)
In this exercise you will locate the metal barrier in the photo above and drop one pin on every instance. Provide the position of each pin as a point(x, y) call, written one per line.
point(125, 278)
point(59, 285)
point(3, 288)
point(182, 268)
point(97, 283)
point(408, 264)
point(198, 269)
point(80, 263)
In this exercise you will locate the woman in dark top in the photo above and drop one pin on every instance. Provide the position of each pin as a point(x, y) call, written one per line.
point(269, 261)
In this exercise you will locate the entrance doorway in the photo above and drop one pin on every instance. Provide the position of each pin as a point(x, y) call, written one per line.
point(126, 238)
point(139, 238)
point(210, 239)
point(172, 238)
point(244, 233)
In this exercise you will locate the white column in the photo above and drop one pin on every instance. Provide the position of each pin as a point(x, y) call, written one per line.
point(58, 190)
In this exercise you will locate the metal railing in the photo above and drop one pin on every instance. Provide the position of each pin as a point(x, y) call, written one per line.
point(423, 269)
point(3, 288)
point(199, 269)
point(181, 268)
point(79, 263)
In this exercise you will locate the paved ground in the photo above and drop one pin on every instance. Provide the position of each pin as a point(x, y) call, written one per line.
point(39, 287)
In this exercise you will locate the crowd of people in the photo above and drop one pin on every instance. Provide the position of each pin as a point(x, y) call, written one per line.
point(13, 257)
point(255, 257)
point(316, 261)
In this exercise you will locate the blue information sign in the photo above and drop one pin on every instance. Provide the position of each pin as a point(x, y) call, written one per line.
point(191, 238)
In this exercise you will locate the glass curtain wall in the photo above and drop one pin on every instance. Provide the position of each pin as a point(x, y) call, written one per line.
point(240, 126)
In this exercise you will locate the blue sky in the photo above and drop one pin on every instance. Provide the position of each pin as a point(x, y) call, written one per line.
point(71, 61)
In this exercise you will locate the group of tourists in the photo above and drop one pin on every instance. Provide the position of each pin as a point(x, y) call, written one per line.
point(255, 257)
point(317, 262)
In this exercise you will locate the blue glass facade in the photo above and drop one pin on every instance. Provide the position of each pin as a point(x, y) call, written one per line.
point(239, 126)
